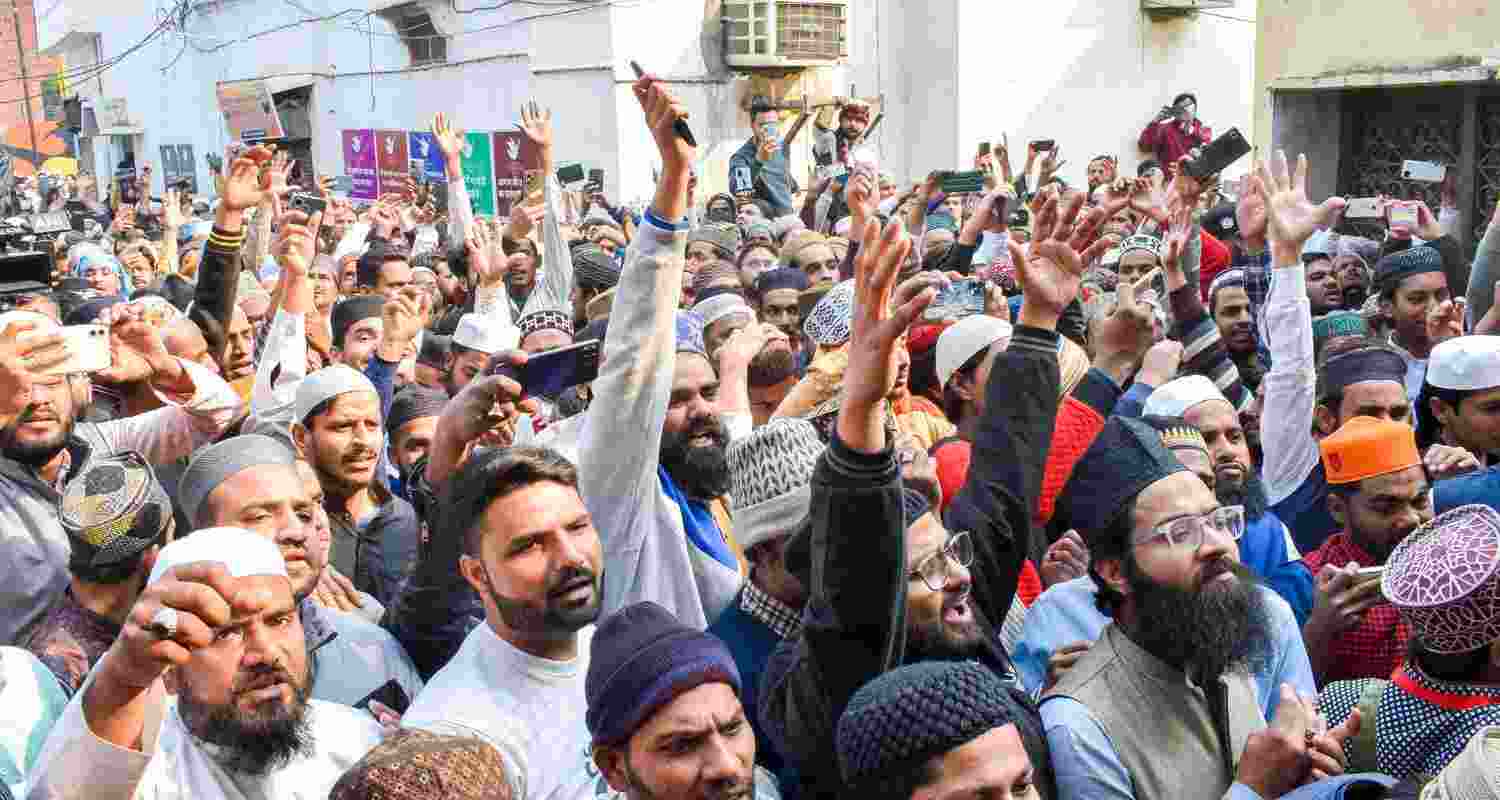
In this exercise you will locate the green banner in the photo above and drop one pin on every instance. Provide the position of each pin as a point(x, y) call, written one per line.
point(479, 173)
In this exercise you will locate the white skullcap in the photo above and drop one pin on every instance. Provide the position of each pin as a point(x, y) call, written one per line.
point(720, 306)
point(486, 335)
point(328, 383)
point(1466, 363)
point(1175, 397)
point(968, 336)
point(43, 322)
point(241, 552)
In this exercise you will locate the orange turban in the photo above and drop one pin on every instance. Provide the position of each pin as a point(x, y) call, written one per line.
point(1366, 447)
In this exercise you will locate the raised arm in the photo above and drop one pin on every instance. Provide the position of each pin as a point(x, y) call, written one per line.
point(451, 142)
point(283, 362)
point(556, 286)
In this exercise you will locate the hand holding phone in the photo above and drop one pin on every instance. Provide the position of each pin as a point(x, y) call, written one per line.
point(87, 348)
point(548, 373)
point(680, 126)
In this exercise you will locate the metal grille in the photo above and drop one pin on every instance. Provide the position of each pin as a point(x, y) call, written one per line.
point(1487, 166)
point(810, 30)
point(1389, 127)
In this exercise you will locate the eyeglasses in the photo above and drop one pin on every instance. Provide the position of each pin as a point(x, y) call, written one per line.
point(933, 570)
point(1188, 532)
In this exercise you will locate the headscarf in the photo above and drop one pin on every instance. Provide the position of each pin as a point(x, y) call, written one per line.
point(85, 254)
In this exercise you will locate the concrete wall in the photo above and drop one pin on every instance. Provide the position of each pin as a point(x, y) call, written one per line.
point(1311, 123)
point(1340, 43)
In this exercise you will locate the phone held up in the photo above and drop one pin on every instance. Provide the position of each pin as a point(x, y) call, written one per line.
point(1218, 154)
point(87, 347)
point(1423, 171)
point(548, 373)
point(959, 299)
point(308, 204)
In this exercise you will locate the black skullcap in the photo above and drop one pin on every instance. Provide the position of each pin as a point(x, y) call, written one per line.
point(904, 718)
point(593, 268)
point(434, 350)
point(352, 310)
point(1220, 221)
point(1357, 366)
point(1124, 459)
point(414, 402)
point(1398, 266)
point(594, 330)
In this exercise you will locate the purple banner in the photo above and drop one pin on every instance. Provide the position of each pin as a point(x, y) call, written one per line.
point(359, 163)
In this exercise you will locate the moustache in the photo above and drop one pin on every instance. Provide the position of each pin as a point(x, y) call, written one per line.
point(262, 676)
point(570, 578)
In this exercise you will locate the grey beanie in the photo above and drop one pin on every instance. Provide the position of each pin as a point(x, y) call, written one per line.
point(903, 718)
point(221, 461)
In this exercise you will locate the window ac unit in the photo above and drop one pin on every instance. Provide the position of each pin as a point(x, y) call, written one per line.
point(1180, 8)
point(785, 33)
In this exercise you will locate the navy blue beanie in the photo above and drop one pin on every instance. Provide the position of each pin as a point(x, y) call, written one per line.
point(641, 659)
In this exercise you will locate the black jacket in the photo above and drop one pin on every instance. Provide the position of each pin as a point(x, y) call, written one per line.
point(854, 626)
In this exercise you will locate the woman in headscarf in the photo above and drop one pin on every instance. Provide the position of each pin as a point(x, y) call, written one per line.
point(102, 271)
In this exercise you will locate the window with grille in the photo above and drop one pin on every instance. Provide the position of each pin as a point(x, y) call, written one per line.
point(768, 32)
point(423, 42)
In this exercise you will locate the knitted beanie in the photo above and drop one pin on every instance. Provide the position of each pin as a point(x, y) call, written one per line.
point(771, 470)
point(641, 659)
point(905, 717)
point(724, 237)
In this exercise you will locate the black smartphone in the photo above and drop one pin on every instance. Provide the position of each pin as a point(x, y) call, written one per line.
point(570, 173)
point(680, 126)
point(1044, 145)
point(548, 373)
point(963, 182)
point(1218, 154)
point(308, 204)
point(984, 148)
point(596, 181)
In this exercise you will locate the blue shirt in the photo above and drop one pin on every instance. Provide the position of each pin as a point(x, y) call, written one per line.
point(1067, 613)
point(1482, 487)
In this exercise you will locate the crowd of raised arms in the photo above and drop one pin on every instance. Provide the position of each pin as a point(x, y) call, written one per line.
point(854, 489)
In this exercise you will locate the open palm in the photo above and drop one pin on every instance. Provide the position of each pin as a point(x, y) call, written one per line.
point(1290, 216)
point(537, 124)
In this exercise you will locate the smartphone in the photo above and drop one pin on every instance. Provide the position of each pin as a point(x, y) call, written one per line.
point(308, 204)
point(984, 148)
point(963, 182)
point(343, 183)
point(87, 347)
point(680, 126)
point(1402, 213)
point(1044, 145)
point(960, 299)
point(596, 181)
point(533, 183)
point(1362, 208)
point(156, 310)
point(570, 173)
point(1424, 171)
point(1218, 154)
point(417, 169)
point(548, 373)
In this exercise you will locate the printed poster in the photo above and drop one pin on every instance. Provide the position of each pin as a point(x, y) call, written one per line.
point(249, 112)
point(359, 164)
point(390, 156)
point(479, 172)
point(510, 170)
point(423, 148)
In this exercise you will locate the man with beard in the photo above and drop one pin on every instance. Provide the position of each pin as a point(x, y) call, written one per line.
point(338, 430)
point(921, 592)
point(1378, 491)
point(413, 418)
point(218, 624)
point(665, 714)
point(1188, 624)
point(1229, 305)
point(43, 442)
point(1266, 546)
point(658, 495)
point(776, 292)
point(250, 482)
point(1461, 405)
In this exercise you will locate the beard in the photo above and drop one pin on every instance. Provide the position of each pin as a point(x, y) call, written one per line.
point(256, 742)
point(335, 470)
point(1205, 631)
point(34, 453)
point(1250, 493)
point(940, 641)
point(554, 617)
point(701, 471)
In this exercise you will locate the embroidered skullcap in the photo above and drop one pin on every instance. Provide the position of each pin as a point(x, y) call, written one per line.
point(593, 268)
point(354, 309)
point(415, 402)
point(724, 237)
point(1398, 266)
point(1335, 324)
point(642, 658)
point(1474, 774)
point(1177, 434)
point(1175, 397)
point(716, 273)
point(1444, 578)
point(113, 510)
point(830, 320)
point(771, 471)
point(241, 552)
point(413, 764)
point(908, 716)
point(326, 384)
point(719, 306)
point(962, 340)
point(689, 333)
point(1318, 245)
point(1126, 457)
point(796, 242)
point(218, 462)
point(781, 278)
point(485, 334)
point(1466, 363)
point(1366, 447)
point(545, 319)
point(1141, 242)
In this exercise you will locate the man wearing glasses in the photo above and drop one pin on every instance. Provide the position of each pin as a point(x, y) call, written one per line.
point(1163, 704)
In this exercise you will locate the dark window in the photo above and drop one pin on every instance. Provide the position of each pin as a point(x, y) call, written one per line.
point(414, 25)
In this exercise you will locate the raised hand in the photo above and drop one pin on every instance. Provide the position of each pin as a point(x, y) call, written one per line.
point(1250, 211)
point(662, 112)
point(451, 142)
point(136, 350)
point(1060, 247)
point(861, 197)
point(1446, 321)
point(203, 595)
point(1176, 243)
point(23, 361)
point(1290, 216)
point(536, 125)
point(171, 210)
point(1122, 339)
point(276, 176)
point(242, 188)
point(296, 242)
point(401, 319)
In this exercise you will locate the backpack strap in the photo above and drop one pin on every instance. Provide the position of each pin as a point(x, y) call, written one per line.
point(1361, 751)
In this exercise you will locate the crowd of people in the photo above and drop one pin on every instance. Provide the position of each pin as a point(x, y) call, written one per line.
point(1130, 490)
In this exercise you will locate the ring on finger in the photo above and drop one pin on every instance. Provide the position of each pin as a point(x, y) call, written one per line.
point(163, 623)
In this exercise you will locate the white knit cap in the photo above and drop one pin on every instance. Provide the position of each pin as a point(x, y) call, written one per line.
point(1474, 774)
point(486, 335)
point(1175, 397)
point(771, 470)
point(241, 552)
point(720, 306)
point(328, 383)
point(968, 336)
point(1466, 363)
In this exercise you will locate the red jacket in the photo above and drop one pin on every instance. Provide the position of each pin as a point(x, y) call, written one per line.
point(1169, 143)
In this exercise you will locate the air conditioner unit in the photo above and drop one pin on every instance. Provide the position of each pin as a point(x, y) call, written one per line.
point(785, 33)
point(1157, 9)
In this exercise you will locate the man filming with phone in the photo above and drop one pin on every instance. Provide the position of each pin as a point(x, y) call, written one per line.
point(1175, 132)
point(761, 168)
